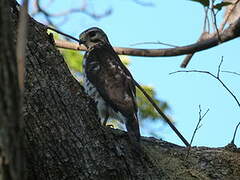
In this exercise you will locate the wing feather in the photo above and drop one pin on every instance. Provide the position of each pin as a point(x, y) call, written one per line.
point(112, 79)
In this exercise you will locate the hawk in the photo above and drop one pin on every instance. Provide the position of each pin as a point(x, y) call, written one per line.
point(109, 82)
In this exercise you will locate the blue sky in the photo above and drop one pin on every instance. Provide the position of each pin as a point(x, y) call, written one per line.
point(177, 22)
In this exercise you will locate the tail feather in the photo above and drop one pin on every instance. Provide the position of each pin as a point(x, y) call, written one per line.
point(132, 126)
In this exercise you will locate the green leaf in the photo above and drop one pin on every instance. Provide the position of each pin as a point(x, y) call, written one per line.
point(146, 110)
point(73, 59)
point(219, 6)
point(125, 59)
point(205, 3)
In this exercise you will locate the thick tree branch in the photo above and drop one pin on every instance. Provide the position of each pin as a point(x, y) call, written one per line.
point(232, 32)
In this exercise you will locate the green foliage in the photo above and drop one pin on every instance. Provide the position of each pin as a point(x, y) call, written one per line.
point(126, 61)
point(219, 6)
point(146, 109)
point(205, 3)
point(73, 59)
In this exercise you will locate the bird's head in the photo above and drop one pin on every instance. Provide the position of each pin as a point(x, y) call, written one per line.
point(93, 36)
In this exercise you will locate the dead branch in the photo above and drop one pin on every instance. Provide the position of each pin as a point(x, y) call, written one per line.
point(234, 134)
point(157, 42)
point(198, 126)
point(231, 72)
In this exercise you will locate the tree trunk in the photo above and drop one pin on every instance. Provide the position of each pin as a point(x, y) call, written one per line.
point(11, 149)
point(65, 140)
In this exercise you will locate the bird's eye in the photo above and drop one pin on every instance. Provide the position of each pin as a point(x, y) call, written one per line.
point(92, 34)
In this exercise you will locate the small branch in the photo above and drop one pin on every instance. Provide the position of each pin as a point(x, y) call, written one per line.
point(162, 114)
point(64, 34)
point(158, 42)
point(21, 43)
point(198, 126)
point(230, 72)
point(206, 20)
point(234, 134)
point(214, 76)
point(219, 68)
point(215, 23)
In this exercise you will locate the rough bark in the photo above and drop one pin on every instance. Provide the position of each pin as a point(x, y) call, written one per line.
point(64, 138)
point(11, 157)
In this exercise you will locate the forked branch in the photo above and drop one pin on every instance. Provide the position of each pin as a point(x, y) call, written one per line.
point(214, 76)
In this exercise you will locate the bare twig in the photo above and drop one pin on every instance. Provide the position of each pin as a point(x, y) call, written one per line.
point(231, 72)
point(198, 126)
point(214, 19)
point(21, 43)
point(234, 134)
point(206, 21)
point(214, 76)
point(162, 114)
point(230, 33)
point(158, 42)
point(219, 67)
point(64, 34)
